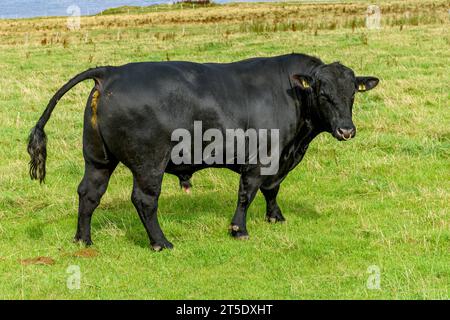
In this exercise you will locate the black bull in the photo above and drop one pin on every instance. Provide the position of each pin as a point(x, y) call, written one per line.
point(133, 110)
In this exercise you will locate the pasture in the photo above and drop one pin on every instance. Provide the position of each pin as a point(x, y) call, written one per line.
point(376, 207)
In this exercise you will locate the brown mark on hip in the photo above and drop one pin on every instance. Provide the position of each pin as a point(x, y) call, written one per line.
point(94, 103)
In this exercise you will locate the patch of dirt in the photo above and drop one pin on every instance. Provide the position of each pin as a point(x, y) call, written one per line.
point(86, 253)
point(38, 260)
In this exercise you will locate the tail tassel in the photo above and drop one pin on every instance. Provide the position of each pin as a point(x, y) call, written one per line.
point(37, 149)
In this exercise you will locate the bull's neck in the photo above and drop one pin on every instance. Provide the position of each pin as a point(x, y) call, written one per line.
point(306, 132)
point(308, 124)
point(308, 119)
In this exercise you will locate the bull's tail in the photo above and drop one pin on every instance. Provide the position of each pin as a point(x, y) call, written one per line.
point(37, 141)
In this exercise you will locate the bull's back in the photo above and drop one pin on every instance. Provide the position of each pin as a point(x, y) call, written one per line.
point(175, 94)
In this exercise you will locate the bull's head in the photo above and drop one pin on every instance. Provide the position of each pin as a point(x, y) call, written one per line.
point(333, 87)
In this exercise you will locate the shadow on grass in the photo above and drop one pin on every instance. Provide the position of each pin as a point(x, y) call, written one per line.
point(35, 231)
point(185, 210)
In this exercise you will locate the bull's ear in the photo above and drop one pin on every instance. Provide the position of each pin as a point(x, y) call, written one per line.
point(366, 83)
point(303, 81)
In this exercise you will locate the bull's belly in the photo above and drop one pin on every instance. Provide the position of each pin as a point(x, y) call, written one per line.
point(190, 169)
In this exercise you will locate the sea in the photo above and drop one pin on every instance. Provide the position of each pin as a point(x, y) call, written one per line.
point(13, 9)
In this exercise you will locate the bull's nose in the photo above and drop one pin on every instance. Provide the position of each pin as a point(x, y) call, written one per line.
point(346, 133)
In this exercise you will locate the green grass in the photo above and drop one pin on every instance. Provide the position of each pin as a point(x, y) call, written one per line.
point(381, 199)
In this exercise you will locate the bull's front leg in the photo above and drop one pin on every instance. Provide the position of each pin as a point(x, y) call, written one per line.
point(248, 187)
point(273, 211)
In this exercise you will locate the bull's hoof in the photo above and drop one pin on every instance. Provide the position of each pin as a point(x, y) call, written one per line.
point(241, 237)
point(78, 239)
point(160, 245)
point(275, 217)
point(238, 233)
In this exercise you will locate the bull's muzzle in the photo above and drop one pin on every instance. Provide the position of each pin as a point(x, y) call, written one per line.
point(345, 133)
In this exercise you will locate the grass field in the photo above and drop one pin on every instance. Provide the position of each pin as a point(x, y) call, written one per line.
point(379, 201)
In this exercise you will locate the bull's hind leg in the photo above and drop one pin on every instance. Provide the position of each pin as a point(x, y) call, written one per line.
point(90, 191)
point(146, 191)
point(273, 211)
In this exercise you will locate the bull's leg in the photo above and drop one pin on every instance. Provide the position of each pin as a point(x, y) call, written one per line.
point(273, 211)
point(248, 187)
point(146, 190)
point(90, 191)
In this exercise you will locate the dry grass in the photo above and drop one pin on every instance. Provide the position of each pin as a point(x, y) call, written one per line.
point(241, 17)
